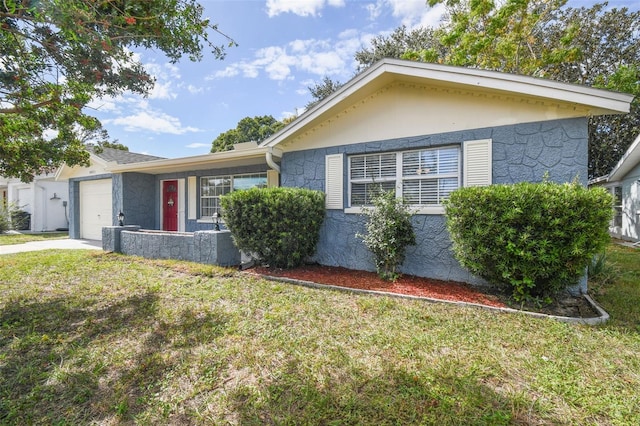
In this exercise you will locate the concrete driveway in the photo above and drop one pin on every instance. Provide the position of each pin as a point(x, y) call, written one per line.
point(52, 244)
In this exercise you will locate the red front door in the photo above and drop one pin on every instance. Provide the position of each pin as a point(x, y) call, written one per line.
point(170, 205)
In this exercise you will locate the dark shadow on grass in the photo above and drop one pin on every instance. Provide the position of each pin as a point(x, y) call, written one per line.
point(440, 396)
point(51, 371)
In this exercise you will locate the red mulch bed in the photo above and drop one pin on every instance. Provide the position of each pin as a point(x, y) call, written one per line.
point(407, 284)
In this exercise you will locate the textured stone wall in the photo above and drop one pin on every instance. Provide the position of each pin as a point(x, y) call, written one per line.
point(139, 199)
point(212, 247)
point(523, 152)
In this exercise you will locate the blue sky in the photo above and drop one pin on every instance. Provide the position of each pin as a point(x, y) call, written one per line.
point(285, 46)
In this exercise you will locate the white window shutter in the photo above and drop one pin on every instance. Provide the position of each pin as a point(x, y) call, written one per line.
point(192, 194)
point(334, 182)
point(477, 163)
point(273, 178)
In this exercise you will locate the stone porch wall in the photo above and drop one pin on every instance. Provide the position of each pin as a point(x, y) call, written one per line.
point(211, 247)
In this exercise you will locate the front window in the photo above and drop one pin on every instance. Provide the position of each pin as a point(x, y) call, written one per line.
point(212, 187)
point(423, 178)
point(617, 206)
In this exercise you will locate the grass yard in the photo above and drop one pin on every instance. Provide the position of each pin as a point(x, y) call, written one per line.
point(101, 338)
point(8, 239)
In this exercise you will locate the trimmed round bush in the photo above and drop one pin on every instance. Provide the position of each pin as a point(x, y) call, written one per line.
point(534, 239)
point(278, 226)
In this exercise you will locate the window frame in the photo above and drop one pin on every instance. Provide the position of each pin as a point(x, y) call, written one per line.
point(208, 218)
point(399, 178)
point(616, 191)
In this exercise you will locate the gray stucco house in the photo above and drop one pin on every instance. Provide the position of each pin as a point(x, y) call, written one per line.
point(421, 129)
point(92, 199)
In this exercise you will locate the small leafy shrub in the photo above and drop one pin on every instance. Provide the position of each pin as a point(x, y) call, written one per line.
point(20, 219)
point(534, 239)
point(5, 219)
point(279, 226)
point(11, 217)
point(602, 271)
point(389, 232)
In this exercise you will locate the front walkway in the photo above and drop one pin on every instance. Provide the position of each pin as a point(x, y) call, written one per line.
point(68, 244)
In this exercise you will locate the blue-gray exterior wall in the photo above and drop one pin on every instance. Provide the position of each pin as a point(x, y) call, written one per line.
point(74, 203)
point(138, 195)
point(137, 200)
point(522, 152)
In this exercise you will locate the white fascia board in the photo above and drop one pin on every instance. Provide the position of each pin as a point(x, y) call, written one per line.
point(628, 161)
point(197, 162)
point(531, 86)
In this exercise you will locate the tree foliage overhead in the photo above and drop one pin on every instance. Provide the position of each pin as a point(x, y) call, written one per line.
point(397, 44)
point(321, 90)
point(57, 55)
point(596, 46)
point(249, 129)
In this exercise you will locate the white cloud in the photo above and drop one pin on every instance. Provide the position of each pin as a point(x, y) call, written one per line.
point(103, 105)
point(166, 75)
point(163, 90)
point(319, 57)
point(300, 7)
point(374, 9)
point(194, 89)
point(156, 122)
point(198, 145)
point(414, 13)
point(230, 71)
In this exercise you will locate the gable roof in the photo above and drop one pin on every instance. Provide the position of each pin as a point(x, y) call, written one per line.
point(586, 100)
point(574, 100)
point(629, 160)
point(103, 160)
point(119, 156)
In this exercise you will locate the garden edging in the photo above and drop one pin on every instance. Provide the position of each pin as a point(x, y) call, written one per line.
point(602, 317)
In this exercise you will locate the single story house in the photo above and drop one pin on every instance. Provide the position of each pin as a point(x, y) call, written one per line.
point(44, 200)
point(624, 184)
point(92, 199)
point(420, 129)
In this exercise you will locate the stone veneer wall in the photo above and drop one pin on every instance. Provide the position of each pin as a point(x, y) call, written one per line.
point(138, 200)
point(212, 247)
point(522, 152)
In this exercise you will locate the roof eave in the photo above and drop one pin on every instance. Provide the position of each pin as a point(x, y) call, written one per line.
point(628, 161)
point(197, 162)
point(597, 101)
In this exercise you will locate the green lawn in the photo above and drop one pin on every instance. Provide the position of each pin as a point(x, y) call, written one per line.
point(7, 239)
point(101, 338)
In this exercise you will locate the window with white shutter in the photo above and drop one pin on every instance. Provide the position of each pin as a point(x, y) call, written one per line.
point(477, 163)
point(334, 181)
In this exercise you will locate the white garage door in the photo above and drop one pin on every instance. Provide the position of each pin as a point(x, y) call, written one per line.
point(95, 208)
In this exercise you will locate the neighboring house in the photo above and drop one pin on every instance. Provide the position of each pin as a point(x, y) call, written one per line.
point(44, 199)
point(420, 129)
point(91, 195)
point(624, 184)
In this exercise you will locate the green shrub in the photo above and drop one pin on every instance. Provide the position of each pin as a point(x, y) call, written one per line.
point(5, 219)
point(602, 271)
point(278, 226)
point(534, 239)
point(11, 217)
point(389, 232)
